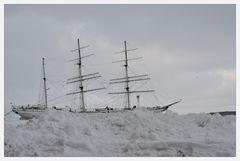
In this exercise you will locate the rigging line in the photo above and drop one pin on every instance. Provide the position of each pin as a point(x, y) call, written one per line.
point(40, 87)
point(108, 101)
point(130, 68)
point(145, 82)
point(152, 85)
point(100, 104)
point(154, 93)
point(166, 97)
point(146, 99)
point(52, 71)
point(54, 104)
point(103, 101)
point(65, 97)
point(113, 100)
point(162, 90)
point(164, 94)
point(118, 103)
point(50, 100)
point(57, 102)
point(50, 82)
point(115, 74)
point(124, 103)
point(41, 99)
point(136, 74)
point(141, 85)
point(93, 65)
point(112, 97)
point(63, 101)
point(73, 101)
point(100, 82)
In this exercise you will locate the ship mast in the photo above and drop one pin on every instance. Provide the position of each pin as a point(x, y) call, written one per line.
point(44, 84)
point(127, 79)
point(80, 78)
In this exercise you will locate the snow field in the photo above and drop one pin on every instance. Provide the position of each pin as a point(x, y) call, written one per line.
point(133, 133)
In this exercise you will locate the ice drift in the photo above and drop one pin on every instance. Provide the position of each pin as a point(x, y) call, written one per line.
point(135, 133)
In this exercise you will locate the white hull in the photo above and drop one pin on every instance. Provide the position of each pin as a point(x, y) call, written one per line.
point(28, 113)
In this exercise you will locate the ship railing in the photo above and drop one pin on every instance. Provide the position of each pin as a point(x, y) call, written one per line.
point(33, 108)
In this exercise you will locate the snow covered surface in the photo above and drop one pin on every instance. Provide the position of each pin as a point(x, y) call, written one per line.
point(134, 133)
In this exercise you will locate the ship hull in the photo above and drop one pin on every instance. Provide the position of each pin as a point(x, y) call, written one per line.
point(28, 114)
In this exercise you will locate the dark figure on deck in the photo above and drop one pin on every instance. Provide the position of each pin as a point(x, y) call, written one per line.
point(107, 109)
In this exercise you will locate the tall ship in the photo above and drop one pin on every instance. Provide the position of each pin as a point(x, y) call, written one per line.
point(30, 111)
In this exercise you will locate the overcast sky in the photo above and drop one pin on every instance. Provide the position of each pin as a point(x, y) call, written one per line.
point(188, 51)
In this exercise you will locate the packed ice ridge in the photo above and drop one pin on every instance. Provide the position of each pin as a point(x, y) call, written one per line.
point(135, 133)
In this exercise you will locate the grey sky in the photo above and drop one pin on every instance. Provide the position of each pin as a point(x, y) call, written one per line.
point(189, 50)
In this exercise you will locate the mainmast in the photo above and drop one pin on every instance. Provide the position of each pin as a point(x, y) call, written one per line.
point(80, 78)
point(44, 83)
point(126, 72)
point(127, 79)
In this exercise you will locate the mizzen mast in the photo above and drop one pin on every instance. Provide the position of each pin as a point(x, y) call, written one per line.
point(127, 79)
point(44, 84)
